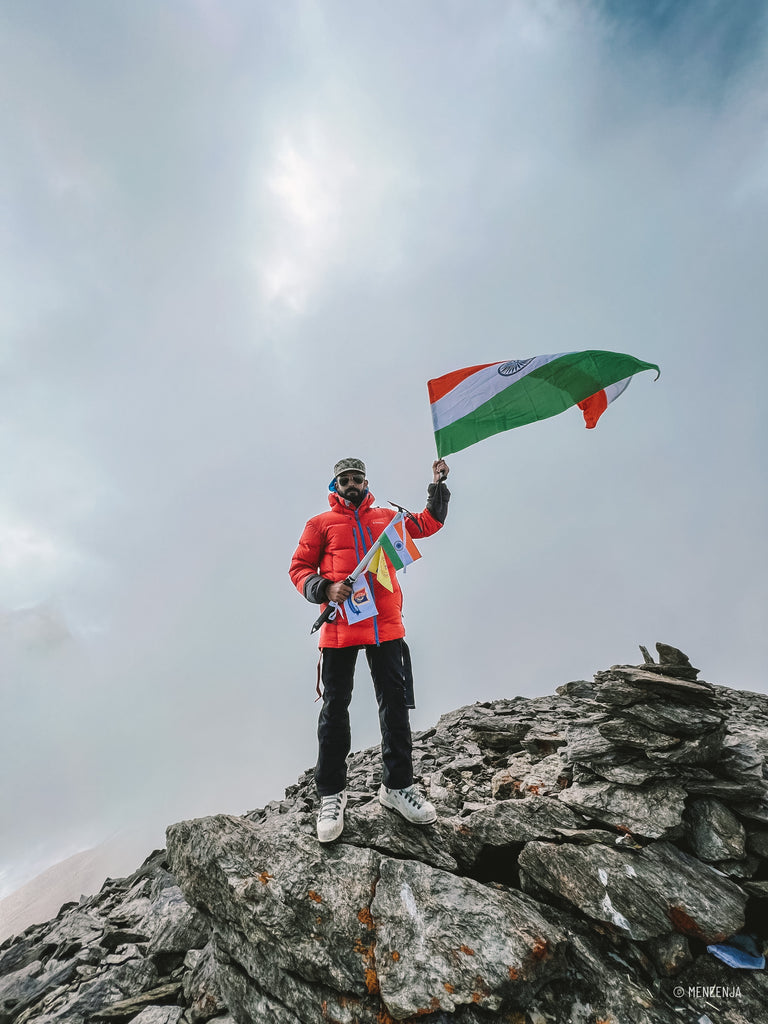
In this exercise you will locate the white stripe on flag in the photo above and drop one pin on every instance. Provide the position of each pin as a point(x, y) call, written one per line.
point(479, 388)
point(614, 390)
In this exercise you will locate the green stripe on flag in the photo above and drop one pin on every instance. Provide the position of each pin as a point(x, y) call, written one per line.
point(390, 551)
point(545, 392)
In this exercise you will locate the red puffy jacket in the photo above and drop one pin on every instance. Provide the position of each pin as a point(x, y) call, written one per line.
point(333, 544)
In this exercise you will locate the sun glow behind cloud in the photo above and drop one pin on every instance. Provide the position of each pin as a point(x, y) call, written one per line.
point(309, 183)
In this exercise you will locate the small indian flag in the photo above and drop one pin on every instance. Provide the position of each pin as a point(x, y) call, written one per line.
point(471, 404)
point(397, 545)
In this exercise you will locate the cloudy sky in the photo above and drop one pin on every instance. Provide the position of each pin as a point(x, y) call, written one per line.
point(238, 239)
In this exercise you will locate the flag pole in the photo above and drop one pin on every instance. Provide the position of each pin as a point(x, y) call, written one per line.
point(333, 606)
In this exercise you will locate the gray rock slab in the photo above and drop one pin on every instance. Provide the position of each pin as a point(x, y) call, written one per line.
point(443, 942)
point(517, 821)
point(159, 1015)
point(617, 684)
point(94, 996)
point(491, 730)
point(643, 894)
point(670, 953)
point(202, 993)
point(627, 733)
point(676, 719)
point(130, 913)
point(713, 831)
point(703, 749)
point(127, 1009)
point(653, 811)
point(738, 869)
point(376, 827)
point(13, 985)
point(633, 773)
point(173, 926)
point(272, 895)
point(585, 742)
point(743, 762)
point(76, 926)
point(30, 985)
point(703, 782)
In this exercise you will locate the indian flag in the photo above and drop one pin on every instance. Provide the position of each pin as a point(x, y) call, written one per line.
point(471, 404)
point(397, 545)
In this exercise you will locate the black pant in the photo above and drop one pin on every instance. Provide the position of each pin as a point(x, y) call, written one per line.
point(390, 671)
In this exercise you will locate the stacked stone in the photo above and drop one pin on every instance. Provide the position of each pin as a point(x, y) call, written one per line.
point(135, 952)
point(654, 761)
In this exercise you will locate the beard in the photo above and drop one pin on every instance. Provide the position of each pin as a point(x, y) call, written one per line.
point(353, 495)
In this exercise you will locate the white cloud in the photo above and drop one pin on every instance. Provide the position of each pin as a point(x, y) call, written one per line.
point(310, 182)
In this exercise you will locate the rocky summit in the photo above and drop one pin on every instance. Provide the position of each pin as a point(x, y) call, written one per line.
point(593, 852)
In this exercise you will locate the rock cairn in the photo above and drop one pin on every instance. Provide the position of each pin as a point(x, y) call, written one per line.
point(589, 846)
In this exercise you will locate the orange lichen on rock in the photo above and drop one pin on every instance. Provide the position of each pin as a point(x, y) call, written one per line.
point(364, 917)
point(466, 950)
point(434, 1004)
point(313, 896)
point(514, 974)
point(448, 987)
point(371, 981)
point(540, 949)
point(370, 977)
point(264, 877)
point(395, 955)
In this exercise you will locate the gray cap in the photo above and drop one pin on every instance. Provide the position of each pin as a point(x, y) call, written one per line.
point(349, 466)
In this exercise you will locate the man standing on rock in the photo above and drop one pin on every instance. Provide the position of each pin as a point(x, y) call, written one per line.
point(330, 548)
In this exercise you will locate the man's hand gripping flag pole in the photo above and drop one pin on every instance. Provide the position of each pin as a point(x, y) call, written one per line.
point(330, 612)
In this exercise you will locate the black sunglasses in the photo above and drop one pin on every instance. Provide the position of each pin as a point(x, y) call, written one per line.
point(357, 478)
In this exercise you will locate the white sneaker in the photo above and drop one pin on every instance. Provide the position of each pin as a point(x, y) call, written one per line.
point(409, 803)
point(330, 820)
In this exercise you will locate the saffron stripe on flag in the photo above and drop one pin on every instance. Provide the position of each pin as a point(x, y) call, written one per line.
point(410, 546)
point(440, 386)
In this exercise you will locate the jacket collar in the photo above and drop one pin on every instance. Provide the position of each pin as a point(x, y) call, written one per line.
point(338, 504)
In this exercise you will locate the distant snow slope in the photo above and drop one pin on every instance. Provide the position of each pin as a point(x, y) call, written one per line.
point(80, 875)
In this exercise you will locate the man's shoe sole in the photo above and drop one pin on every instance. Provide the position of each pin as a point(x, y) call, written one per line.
point(392, 807)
